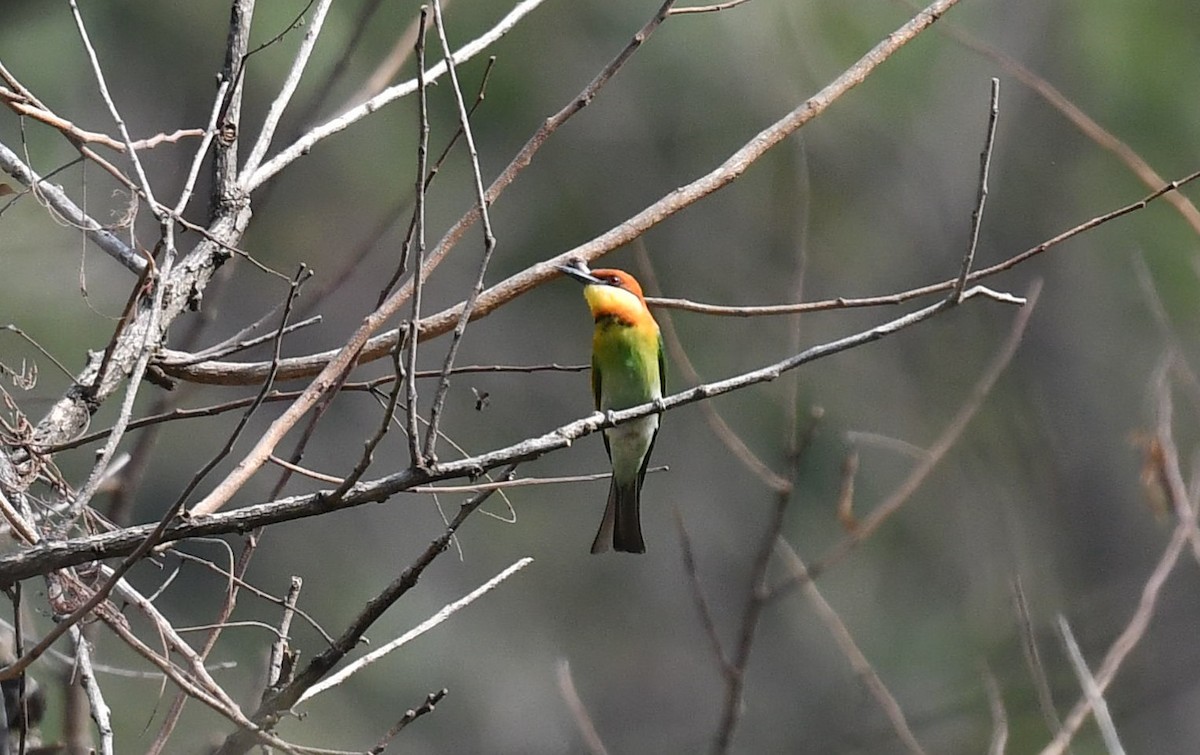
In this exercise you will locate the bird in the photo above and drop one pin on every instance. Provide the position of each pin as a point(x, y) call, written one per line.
point(627, 370)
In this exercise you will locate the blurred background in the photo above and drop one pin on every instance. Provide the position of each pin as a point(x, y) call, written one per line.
point(873, 197)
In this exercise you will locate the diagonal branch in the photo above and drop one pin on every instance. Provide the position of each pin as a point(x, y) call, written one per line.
point(58, 200)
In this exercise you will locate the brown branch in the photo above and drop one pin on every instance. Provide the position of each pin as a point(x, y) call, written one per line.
point(429, 452)
point(1033, 658)
point(21, 105)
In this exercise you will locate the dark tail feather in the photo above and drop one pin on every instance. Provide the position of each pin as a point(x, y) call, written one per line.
point(604, 535)
point(622, 520)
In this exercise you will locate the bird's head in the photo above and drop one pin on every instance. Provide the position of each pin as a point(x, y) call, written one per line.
point(609, 293)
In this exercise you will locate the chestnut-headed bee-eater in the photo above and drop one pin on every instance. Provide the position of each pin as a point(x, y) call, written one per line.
point(627, 370)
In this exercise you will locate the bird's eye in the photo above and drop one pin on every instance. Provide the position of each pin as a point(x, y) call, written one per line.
point(613, 280)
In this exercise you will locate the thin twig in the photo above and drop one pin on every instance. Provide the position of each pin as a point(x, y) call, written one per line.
point(999, 742)
point(489, 245)
point(416, 457)
point(845, 641)
point(302, 274)
point(290, 82)
point(1073, 113)
point(273, 396)
point(430, 174)
point(985, 163)
point(1108, 731)
point(385, 423)
point(410, 715)
point(102, 85)
point(706, 8)
point(446, 612)
point(731, 709)
point(579, 714)
point(101, 713)
point(702, 605)
point(234, 581)
point(1033, 658)
point(756, 600)
point(1129, 638)
point(239, 341)
point(301, 146)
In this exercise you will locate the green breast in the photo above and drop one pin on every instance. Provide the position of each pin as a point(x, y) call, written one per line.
point(625, 361)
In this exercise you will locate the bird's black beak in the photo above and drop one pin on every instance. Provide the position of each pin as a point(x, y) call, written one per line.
point(578, 270)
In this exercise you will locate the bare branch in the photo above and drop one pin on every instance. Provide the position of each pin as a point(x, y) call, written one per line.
point(845, 641)
point(58, 200)
point(489, 246)
point(101, 713)
point(446, 612)
point(985, 163)
point(131, 152)
point(1073, 113)
point(302, 145)
point(282, 700)
point(416, 455)
point(706, 8)
point(1090, 689)
point(299, 63)
point(410, 715)
point(1033, 657)
point(583, 721)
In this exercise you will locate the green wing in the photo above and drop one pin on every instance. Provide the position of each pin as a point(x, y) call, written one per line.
point(596, 395)
point(662, 368)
